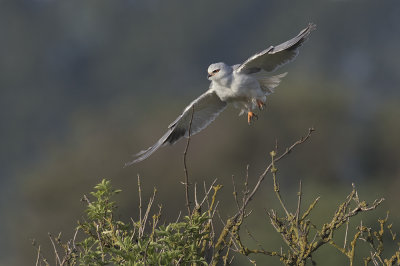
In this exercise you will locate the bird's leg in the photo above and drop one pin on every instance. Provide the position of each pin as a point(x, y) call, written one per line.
point(251, 116)
point(260, 104)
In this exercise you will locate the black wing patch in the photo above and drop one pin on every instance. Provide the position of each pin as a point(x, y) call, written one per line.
point(206, 108)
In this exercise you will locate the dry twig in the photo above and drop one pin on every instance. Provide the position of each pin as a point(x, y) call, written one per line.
point(186, 183)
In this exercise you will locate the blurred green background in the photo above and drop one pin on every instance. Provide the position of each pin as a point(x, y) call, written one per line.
point(85, 84)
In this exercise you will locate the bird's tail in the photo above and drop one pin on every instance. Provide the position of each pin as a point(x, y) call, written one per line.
point(268, 83)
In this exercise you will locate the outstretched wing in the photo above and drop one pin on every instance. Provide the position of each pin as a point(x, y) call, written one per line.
point(204, 109)
point(275, 56)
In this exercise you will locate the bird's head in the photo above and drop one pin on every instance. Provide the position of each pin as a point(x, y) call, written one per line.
point(218, 70)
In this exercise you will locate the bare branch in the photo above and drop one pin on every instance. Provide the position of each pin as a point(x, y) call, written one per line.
point(38, 256)
point(186, 183)
point(345, 234)
point(58, 261)
point(179, 216)
point(74, 239)
point(100, 243)
point(276, 186)
point(262, 176)
point(140, 201)
point(143, 225)
point(235, 193)
point(207, 192)
point(196, 204)
point(298, 204)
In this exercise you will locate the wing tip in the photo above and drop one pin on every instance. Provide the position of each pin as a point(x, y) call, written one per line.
point(140, 157)
point(128, 164)
point(312, 26)
point(305, 34)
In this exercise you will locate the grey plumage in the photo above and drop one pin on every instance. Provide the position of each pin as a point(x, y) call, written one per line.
point(275, 56)
point(246, 85)
point(205, 109)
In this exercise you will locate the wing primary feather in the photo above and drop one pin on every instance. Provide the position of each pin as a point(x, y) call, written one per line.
point(175, 135)
point(274, 57)
point(295, 42)
point(206, 108)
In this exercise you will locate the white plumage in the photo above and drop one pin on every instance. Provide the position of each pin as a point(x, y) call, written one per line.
point(245, 85)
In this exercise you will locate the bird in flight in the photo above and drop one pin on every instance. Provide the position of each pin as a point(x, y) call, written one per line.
point(245, 85)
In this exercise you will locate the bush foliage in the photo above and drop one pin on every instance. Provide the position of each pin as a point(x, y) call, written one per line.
point(195, 239)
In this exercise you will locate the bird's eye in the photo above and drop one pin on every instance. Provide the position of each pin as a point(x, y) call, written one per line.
point(215, 71)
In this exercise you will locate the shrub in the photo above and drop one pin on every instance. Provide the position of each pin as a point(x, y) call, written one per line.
point(195, 240)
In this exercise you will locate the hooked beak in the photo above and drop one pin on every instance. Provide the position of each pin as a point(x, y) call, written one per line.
point(210, 75)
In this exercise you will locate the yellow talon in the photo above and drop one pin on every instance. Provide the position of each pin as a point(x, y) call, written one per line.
point(251, 116)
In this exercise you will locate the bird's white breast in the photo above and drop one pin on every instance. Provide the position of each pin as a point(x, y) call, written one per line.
point(238, 87)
